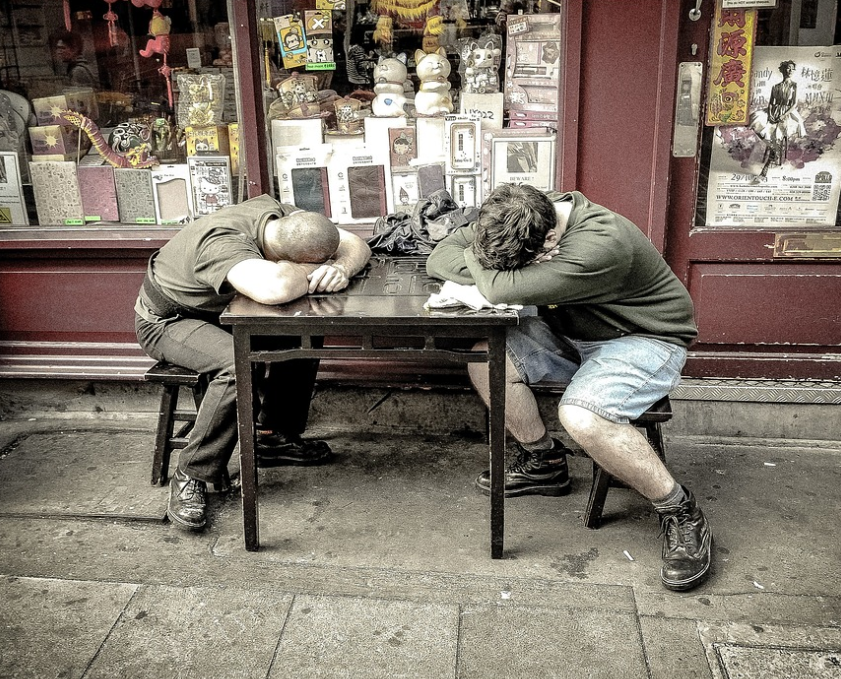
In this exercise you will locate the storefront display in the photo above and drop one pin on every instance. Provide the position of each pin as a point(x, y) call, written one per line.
point(151, 140)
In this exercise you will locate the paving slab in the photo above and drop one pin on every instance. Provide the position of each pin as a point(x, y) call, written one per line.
point(54, 628)
point(523, 641)
point(338, 637)
point(87, 473)
point(193, 633)
point(743, 651)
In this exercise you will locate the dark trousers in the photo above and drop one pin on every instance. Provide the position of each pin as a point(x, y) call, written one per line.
point(282, 401)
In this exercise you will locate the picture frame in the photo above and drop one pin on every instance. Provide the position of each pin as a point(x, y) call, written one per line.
point(523, 160)
point(519, 156)
point(12, 204)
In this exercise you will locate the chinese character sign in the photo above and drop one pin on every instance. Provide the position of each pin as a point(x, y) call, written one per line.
point(731, 53)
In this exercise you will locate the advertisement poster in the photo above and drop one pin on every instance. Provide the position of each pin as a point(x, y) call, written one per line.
point(783, 168)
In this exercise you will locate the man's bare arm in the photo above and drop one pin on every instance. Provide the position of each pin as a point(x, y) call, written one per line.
point(270, 282)
point(350, 258)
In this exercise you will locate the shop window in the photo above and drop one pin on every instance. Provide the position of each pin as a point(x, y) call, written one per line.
point(115, 112)
point(779, 165)
point(386, 102)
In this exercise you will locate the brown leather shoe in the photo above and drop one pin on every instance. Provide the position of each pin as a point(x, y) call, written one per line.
point(187, 507)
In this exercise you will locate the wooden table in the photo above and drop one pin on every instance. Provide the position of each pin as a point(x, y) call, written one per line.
point(383, 316)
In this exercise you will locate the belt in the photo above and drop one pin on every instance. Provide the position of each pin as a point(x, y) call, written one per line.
point(166, 307)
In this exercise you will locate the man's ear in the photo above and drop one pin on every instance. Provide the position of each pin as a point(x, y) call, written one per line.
point(551, 239)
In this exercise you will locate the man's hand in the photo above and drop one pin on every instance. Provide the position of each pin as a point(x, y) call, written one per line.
point(545, 255)
point(328, 278)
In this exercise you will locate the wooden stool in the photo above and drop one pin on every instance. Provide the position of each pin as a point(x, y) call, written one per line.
point(172, 378)
point(650, 422)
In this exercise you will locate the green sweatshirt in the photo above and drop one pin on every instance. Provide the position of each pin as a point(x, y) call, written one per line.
point(607, 281)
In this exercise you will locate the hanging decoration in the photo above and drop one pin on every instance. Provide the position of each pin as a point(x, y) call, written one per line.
point(404, 9)
point(159, 27)
point(293, 45)
point(111, 17)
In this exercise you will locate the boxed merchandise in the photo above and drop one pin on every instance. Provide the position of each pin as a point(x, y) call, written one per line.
point(210, 177)
point(173, 194)
point(99, 193)
point(55, 185)
point(233, 142)
point(61, 142)
point(12, 204)
point(135, 197)
point(533, 63)
point(207, 140)
point(302, 177)
point(81, 100)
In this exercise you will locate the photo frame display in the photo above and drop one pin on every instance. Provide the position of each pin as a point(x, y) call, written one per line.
point(506, 160)
point(12, 204)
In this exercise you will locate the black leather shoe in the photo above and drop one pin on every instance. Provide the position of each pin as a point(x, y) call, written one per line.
point(687, 545)
point(274, 450)
point(187, 507)
point(540, 473)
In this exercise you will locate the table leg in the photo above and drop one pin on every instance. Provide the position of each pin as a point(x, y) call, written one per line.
point(245, 419)
point(496, 435)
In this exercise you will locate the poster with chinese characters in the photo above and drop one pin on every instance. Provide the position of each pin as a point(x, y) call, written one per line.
point(731, 52)
point(782, 168)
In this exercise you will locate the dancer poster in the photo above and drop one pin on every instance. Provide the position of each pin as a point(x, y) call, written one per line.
point(783, 168)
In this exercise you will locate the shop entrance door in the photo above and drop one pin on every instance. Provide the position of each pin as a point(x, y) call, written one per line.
point(753, 228)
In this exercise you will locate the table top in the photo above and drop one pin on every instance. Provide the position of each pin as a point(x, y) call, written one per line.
point(390, 291)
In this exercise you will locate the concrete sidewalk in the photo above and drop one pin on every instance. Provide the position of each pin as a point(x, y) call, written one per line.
point(379, 566)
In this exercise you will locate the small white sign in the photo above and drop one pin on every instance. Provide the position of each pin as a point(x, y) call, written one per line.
point(193, 57)
point(747, 4)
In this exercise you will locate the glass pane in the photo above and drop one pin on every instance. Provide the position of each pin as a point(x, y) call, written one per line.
point(781, 168)
point(102, 103)
point(357, 95)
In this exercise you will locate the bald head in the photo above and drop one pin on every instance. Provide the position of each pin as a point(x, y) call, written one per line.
point(303, 237)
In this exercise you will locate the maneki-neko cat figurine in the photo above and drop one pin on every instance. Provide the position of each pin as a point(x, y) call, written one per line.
point(433, 96)
point(389, 78)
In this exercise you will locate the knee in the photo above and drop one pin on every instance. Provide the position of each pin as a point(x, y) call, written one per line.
point(579, 422)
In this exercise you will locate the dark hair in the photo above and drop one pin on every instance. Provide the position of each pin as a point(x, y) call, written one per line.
point(71, 40)
point(783, 65)
point(512, 226)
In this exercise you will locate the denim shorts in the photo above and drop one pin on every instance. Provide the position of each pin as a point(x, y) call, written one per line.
point(618, 379)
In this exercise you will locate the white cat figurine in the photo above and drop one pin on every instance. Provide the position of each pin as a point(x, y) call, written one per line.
point(389, 75)
point(433, 96)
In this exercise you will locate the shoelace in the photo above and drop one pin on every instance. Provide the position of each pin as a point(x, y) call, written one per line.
point(189, 491)
point(521, 461)
point(677, 527)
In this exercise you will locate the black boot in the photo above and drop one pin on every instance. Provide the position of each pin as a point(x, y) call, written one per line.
point(187, 506)
point(687, 544)
point(274, 449)
point(543, 472)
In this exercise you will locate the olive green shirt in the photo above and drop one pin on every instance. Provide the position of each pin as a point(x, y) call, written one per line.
point(192, 267)
point(606, 281)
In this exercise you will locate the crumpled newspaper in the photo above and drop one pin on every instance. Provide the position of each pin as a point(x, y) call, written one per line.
point(454, 295)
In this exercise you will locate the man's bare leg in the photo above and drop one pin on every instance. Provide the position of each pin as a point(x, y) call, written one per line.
point(540, 467)
point(522, 416)
point(620, 449)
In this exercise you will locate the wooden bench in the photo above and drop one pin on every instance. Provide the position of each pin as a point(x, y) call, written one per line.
point(173, 378)
point(649, 422)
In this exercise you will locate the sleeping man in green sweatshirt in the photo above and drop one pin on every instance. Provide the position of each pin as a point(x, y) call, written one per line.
point(612, 323)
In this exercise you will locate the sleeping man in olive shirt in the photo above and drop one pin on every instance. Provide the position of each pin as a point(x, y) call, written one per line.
point(613, 324)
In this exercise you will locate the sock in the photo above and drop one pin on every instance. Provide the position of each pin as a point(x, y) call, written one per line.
point(673, 499)
point(543, 443)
